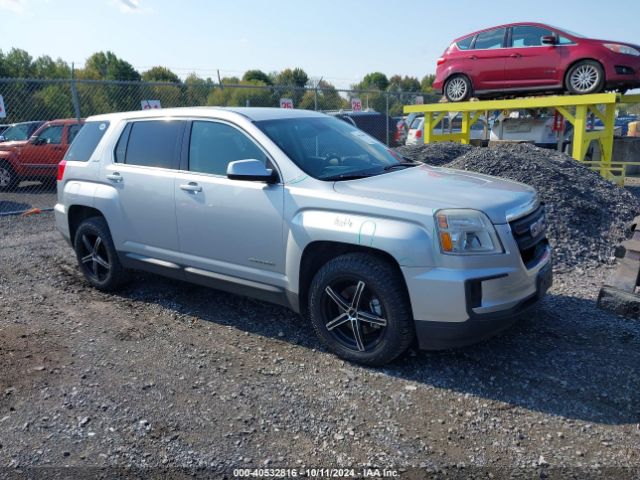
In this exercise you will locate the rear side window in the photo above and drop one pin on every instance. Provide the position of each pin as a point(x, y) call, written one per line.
point(151, 143)
point(490, 39)
point(86, 140)
point(465, 43)
point(416, 124)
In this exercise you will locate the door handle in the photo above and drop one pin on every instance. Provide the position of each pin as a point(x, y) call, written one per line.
point(191, 187)
point(472, 57)
point(515, 55)
point(116, 177)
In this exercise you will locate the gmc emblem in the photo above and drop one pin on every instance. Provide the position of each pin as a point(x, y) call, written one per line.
point(537, 227)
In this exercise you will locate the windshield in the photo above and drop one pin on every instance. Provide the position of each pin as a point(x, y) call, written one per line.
point(573, 34)
point(20, 131)
point(330, 149)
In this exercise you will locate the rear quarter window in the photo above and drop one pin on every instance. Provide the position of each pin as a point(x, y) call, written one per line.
point(86, 141)
point(465, 43)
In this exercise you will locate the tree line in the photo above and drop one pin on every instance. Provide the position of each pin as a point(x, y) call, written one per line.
point(46, 98)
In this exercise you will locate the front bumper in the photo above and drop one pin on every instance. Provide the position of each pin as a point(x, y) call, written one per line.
point(434, 335)
point(477, 296)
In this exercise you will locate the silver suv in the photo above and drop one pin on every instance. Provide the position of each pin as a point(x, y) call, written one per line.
point(304, 210)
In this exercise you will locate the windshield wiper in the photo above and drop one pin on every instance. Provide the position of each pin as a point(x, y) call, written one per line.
point(401, 165)
point(348, 176)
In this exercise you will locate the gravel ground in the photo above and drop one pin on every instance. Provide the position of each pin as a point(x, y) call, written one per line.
point(587, 214)
point(26, 196)
point(166, 375)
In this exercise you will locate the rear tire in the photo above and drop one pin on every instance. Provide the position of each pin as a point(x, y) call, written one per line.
point(585, 77)
point(97, 256)
point(8, 178)
point(360, 309)
point(457, 88)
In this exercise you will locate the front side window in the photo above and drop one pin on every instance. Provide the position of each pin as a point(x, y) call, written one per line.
point(51, 135)
point(85, 141)
point(329, 149)
point(151, 143)
point(214, 145)
point(528, 36)
point(490, 39)
point(465, 43)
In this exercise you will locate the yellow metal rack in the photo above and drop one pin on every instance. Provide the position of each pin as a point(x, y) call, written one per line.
point(576, 109)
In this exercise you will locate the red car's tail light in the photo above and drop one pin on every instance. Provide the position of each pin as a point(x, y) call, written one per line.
point(61, 167)
point(441, 60)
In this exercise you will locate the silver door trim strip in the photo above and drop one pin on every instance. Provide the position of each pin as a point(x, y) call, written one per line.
point(153, 261)
point(228, 278)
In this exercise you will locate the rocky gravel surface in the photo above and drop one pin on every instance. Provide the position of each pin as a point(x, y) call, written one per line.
point(173, 380)
point(587, 214)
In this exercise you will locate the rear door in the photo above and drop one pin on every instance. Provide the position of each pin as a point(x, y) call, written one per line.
point(145, 161)
point(227, 227)
point(486, 61)
point(531, 63)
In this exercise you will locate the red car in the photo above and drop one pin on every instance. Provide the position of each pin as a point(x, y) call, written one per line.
point(38, 157)
point(532, 57)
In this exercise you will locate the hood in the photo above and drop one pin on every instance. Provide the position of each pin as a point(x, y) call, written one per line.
point(4, 146)
point(437, 188)
point(598, 41)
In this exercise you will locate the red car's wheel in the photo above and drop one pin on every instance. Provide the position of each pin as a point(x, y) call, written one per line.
point(457, 88)
point(586, 76)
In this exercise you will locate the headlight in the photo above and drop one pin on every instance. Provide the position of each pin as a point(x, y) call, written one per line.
point(466, 232)
point(626, 49)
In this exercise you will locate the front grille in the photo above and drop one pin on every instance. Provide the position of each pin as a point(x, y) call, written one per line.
point(532, 243)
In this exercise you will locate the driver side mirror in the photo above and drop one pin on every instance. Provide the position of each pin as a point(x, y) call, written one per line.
point(252, 170)
point(37, 141)
point(1, 138)
point(549, 40)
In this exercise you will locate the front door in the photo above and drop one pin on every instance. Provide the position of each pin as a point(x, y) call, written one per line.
point(228, 227)
point(41, 155)
point(531, 63)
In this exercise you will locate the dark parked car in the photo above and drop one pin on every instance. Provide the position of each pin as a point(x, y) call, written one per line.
point(375, 124)
point(526, 57)
point(18, 132)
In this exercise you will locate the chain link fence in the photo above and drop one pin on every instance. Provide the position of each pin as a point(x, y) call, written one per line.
point(41, 118)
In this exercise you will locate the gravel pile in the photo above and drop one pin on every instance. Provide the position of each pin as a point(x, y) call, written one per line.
point(587, 214)
point(437, 154)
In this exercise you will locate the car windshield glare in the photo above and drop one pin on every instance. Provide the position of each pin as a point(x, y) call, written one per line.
point(16, 132)
point(329, 149)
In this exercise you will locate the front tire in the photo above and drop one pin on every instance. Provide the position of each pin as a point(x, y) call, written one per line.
point(586, 76)
point(97, 256)
point(360, 309)
point(8, 178)
point(457, 88)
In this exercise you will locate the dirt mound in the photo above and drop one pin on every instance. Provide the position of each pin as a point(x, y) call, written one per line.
point(587, 214)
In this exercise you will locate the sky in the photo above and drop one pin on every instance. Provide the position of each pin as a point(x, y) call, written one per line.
point(339, 40)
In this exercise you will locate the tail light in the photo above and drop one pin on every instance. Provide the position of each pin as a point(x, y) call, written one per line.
point(440, 61)
point(418, 133)
point(61, 166)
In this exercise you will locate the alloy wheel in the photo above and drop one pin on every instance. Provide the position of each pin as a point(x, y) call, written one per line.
point(457, 89)
point(584, 78)
point(5, 177)
point(353, 314)
point(94, 257)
